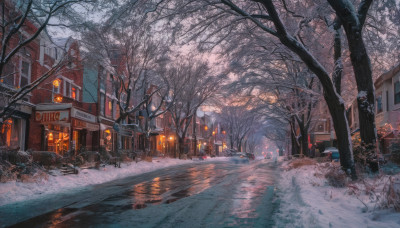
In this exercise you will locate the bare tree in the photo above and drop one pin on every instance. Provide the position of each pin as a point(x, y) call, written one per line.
point(127, 51)
point(285, 26)
point(191, 85)
point(21, 24)
point(238, 121)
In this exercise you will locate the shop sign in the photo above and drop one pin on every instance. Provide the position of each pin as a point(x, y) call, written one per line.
point(125, 131)
point(82, 124)
point(51, 116)
point(83, 115)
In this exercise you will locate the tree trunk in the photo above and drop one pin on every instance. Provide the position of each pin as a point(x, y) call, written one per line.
point(181, 145)
point(352, 23)
point(304, 142)
point(194, 135)
point(147, 145)
point(338, 69)
point(295, 147)
point(338, 113)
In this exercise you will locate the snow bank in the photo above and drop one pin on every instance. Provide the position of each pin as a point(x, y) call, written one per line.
point(307, 200)
point(18, 191)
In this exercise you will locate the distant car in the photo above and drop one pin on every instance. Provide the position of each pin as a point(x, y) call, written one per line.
point(268, 156)
point(240, 158)
point(250, 156)
point(333, 153)
point(231, 152)
point(202, 156)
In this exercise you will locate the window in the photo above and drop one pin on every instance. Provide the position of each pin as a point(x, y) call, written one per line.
point(102, 102)
point(47, 50)
point(320, 127)
point(114, 109)
point(67, 89)
point(25, 73)
point(387, 101)
point(379, 103)
point(110, 106)
point(73, 93)
point(8, 76)
point(56, 87)
point(397, 92)
point(159, 122)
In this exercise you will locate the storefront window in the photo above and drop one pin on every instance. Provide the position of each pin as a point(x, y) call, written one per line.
point(108, 140)
point(75, 140)
point(10, 133)
point(58, 139)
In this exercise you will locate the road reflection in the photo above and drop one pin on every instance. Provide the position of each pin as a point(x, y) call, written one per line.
point(164, 190)
point(244, 186)
point(248, 195)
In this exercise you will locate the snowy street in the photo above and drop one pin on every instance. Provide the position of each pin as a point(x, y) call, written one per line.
point(198, 194)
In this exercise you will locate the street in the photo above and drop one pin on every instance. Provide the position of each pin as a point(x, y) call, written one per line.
point(217, 194)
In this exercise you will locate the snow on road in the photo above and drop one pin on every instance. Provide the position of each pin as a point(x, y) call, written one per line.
point(308, 201)
point(18, 191)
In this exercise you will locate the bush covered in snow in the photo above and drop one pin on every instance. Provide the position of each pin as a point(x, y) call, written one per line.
point(14, 156)
point(391, 194)
point(297, 163)
point(46, 158)
point(336, 177)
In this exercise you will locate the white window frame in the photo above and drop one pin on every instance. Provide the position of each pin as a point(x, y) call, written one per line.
point(66, 80)
point(22, 59)
point(102, 104)
point(114, 108)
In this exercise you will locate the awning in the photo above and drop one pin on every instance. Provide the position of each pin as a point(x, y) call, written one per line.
point(105, 127)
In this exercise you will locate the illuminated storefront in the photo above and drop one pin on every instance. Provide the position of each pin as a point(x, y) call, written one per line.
point(13, 131)
point(107, 134)
point(55, 130)
point(64, 129)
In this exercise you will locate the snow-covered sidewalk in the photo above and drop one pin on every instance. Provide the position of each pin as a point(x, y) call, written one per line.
point(307, 200)
point(18, 191)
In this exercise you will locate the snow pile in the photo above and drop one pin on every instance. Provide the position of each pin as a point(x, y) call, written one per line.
point(18, 191)
point(307, 199)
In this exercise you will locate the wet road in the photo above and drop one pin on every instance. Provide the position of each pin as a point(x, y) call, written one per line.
point(216, 194)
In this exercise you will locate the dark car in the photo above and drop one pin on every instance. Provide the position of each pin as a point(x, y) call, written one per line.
point(231, 152)
point(250, 156)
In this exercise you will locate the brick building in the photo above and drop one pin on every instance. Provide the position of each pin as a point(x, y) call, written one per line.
point(61, 122)
point(22, 69)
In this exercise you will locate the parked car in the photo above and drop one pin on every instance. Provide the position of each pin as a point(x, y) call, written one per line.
point(333, 153)
point(268, 156)
point(240, 158)
point(231, 152)
point(250, 156)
